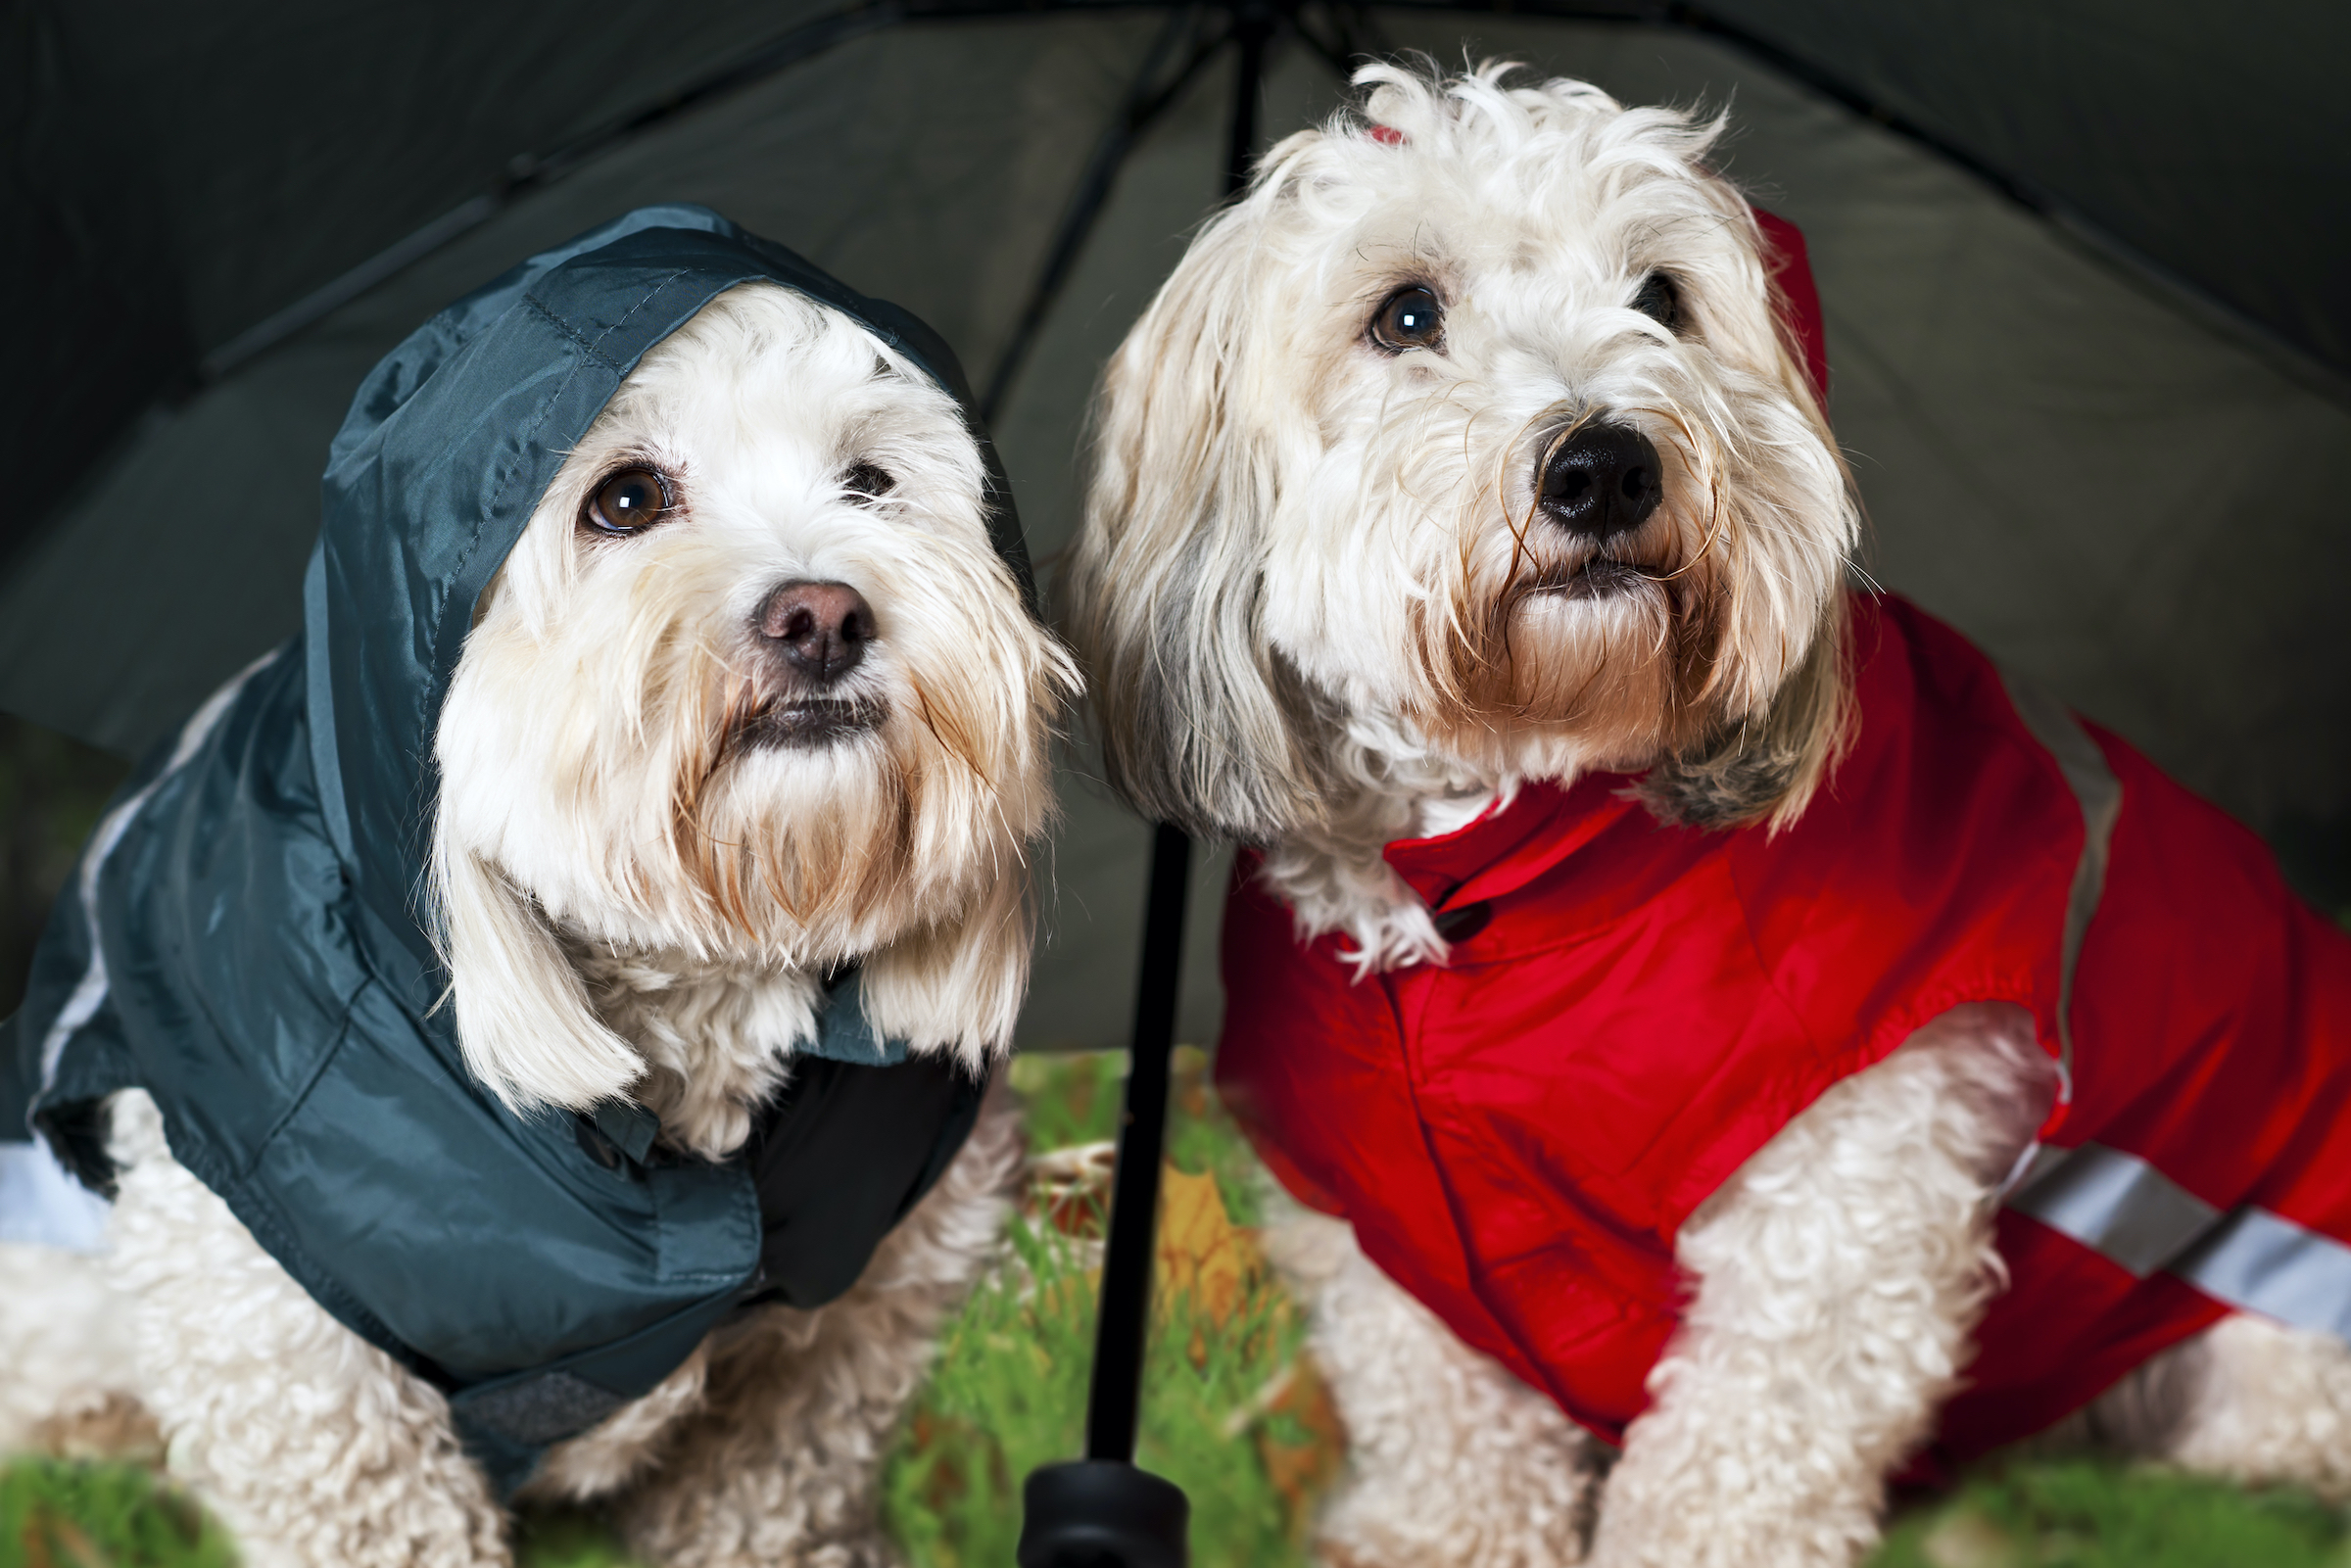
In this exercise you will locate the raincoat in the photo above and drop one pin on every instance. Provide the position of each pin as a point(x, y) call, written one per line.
point(1632, 1010)
point(243, 938)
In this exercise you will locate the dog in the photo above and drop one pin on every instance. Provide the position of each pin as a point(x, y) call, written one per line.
point(1731, 1044)
point(692, 575)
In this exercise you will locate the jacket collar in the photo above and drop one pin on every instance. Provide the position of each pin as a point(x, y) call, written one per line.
point(1512, 843)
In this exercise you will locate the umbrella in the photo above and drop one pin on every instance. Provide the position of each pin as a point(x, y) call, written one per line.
point(2083, 267)
point(2088, 313)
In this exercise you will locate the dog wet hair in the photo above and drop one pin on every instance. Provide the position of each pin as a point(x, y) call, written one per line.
point(1314, 563)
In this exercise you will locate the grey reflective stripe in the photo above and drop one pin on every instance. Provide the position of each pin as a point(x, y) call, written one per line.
point(2113, 1203)
point(90, 990)
point(2121, 1206)
point(2273, 1266)
point(2100, 797)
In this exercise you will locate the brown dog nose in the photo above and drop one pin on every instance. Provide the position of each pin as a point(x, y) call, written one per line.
point(820, 628)
point(1603, 480)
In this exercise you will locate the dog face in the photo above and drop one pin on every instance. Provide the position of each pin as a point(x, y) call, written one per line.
point(755, 689)
point(1467, 443)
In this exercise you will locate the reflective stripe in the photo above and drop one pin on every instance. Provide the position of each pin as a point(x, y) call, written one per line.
point(2124, 1209)
point(2100, 797)
point(90, 990)
point(2259, 1261)
point(2118, 1205)
point(2115, 1204)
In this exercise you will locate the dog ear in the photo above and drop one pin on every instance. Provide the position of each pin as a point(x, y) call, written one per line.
point(523, 1017)
point(1766, 766)
point(957, 987)
point(1163, 591)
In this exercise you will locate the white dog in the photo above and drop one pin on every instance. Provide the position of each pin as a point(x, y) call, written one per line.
point(1664, 959)
point(754, 703)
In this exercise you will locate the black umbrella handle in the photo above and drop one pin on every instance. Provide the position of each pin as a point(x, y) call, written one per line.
point(1101, 1511)
point(1124, 1323)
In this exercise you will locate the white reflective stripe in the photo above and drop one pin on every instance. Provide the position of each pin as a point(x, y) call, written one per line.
point(2099, 794)
point(90, 990)
point(2115, 1204)
point(2264, 1263)
point(2123, 1208)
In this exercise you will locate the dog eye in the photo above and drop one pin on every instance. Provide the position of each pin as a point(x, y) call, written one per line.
point(1409, 318)
point(869, 480)
point(1658, 299)
point(628, 503)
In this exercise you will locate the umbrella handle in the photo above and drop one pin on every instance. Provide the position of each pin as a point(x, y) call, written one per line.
point(1101, 1510)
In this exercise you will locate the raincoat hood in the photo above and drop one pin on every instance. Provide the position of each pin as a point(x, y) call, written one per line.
point(447, 450)
point(244, 940)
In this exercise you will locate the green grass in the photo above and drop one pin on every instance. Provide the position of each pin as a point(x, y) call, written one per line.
point(1232, 1413)
point(2084, 1514)
point(53, 1514)
point(1009, 1393)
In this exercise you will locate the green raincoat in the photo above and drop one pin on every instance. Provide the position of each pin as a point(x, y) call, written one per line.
point(242, 939)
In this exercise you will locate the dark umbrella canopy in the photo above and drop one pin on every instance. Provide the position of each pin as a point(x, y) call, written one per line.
point(2081, 266)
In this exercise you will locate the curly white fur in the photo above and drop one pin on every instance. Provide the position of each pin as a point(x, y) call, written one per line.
point(1322, 611)
point(636, 900)
point(1427, 1419)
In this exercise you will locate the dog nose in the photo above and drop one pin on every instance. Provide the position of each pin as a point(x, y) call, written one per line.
point(1603, 481)
point(820, 628)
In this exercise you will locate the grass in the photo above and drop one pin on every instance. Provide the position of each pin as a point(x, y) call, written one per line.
point(2084, 1514)
point(56, 1514)
point(1232, 1413)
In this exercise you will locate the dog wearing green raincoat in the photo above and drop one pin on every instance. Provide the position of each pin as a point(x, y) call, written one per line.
point(536, 1027)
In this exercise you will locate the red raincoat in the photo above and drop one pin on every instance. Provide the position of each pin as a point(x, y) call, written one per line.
point(1632, 1010)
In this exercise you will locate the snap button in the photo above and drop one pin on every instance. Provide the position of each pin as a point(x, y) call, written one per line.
point(599, 1147)
point(1459, 925)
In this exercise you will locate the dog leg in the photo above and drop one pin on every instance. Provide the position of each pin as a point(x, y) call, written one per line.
point(66, 1340)
point(2248, 1400)
point(779, 1467)
point(316, 1449)
point(1839, 1274)
point(1452, 1459)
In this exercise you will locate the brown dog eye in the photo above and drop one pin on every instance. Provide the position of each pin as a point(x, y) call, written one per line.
point(1409, 318)
point(868, 480)
point(1658, 299)
point(625, 504)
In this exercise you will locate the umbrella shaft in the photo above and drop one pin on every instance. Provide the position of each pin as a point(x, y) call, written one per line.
point(1121, 1334)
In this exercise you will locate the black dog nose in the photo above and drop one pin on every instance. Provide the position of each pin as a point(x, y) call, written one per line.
point(1603, 481)
point(820, 628)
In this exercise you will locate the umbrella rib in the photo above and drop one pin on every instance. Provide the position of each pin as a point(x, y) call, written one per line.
point(1145, 105)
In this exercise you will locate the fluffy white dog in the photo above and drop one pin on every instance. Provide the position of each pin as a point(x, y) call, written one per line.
point(1462, 487)
point(751, 702)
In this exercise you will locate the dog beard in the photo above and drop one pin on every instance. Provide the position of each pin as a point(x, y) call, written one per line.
point(1536, 651)
point(817, 825)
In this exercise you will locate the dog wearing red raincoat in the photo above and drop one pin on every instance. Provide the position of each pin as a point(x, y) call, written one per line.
point(1739, 1030)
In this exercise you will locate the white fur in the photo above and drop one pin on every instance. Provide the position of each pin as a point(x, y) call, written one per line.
point(1427, 1419)
point(632, 901)
point(1303, 580)
point(1302, 592)
point(621, 818)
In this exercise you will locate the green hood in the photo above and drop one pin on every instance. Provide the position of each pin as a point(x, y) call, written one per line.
point(244, 940)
